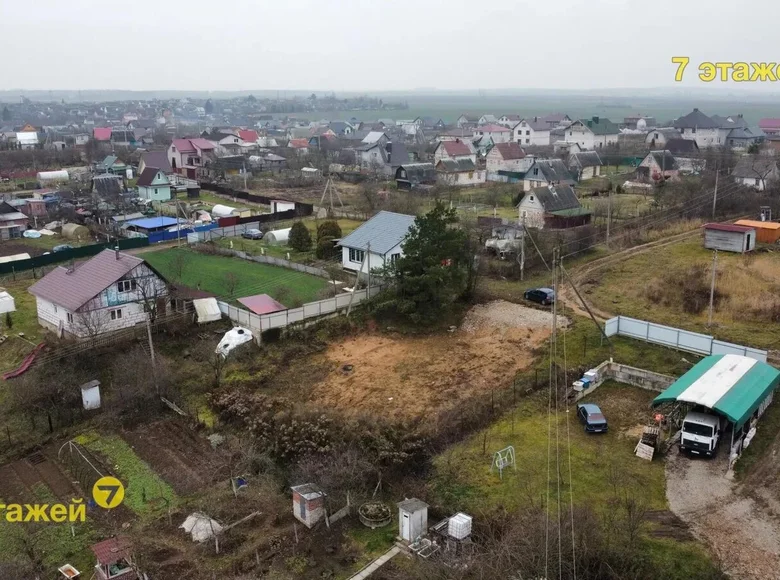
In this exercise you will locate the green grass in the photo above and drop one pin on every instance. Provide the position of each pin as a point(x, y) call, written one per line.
point(210, 273)
point(766, 433)
point(144, 489)
point(674, 559)
point(24, 320)
point(370, 543)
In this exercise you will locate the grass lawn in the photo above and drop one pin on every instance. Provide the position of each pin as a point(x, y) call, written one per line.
point(145, 492)
point(24, 320)
point(641, 287)
point(212, 274)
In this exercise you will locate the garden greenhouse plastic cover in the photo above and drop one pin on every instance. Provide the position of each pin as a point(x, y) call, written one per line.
point(233, 338)
point(201, 527)
point(207, 310)
point(732, 385)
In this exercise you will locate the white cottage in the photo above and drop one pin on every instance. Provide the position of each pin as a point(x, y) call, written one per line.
point(700, 128)
point(532, 131)
point(593, 133)
point(106, 293)
point(375, 243)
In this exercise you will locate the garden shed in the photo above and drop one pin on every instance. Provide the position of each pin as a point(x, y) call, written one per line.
point(308, 503)
point(766, 232)
point(412, 519)
point(729, 238)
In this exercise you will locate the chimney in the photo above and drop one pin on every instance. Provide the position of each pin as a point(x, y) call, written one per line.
point(596, 120)
point(695, 110)
point(116, 251)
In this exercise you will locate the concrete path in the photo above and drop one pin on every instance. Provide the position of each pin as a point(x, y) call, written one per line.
point(374, 566)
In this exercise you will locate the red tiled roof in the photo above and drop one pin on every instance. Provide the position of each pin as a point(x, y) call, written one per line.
point(727, 228)
point(102, 133)
point(183, 146)
point(248, 135)
point(202, 144)
point(510, 151)
point(769, 124)
point(262, 304)
point(73, 290)
point(456, 148)
point(299, 143)
point(111, 551)
point(492, 129)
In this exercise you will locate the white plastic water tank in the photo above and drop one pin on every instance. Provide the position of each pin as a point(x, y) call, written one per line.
point(459, 526)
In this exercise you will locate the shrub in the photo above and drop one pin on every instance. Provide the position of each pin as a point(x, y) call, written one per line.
point(329, 229)
point(300, 238)
point(686, 288)
point(326, 249)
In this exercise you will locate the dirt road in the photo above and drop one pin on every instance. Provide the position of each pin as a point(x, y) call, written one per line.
point(743, 534)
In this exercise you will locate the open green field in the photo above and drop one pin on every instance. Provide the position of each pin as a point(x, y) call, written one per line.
point(649, 286)
point(217, 273)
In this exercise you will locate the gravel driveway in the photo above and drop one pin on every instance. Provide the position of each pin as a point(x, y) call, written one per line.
point(744, 535)
point(500, 313)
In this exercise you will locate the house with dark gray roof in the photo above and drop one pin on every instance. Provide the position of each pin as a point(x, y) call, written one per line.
point(661, 136)
point(584, 164)
point(377, 242)
point(547, 172)
point(700, 128)
point(108, 292)
point(414, 175)
point(552, 206)
point(658, 166)
point(459, 172)
point(756, 171)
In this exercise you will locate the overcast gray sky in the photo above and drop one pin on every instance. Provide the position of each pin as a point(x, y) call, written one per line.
point(375, 44)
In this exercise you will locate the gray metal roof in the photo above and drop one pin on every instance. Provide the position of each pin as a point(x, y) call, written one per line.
point(456, 165)
point(664, 159)
point(555, 197)
point(755, 167)
point(412, 505)
point(384, 231)
point(585, 159)
point(695, 120)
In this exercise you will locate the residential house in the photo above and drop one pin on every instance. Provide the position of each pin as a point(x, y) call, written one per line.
point(157, 159)
point(507, 157)
point(756, 172)
point(431, 124)
point(531, 131)
point(682, 147)
point(372, 157)
point(657, 166)
point(773, 143)
point(585, 164)
point(123, 138)
point(594, 133)
point(187, 155)
point(552, 206)
point(769, 126)
point(413, 175)
point(454, 150)
point(12, 221)
point(377, 242)
point(509, 120)
point(660, 137)
point(742, 138)
point(556, 120)
point(700, 128)
point(101, 134)
point(107, 185)
point(249, 136)
point(27, 139)
point(467, 121)
point(226, 142)
point(487, 120)
point(376, 137)
point(111, 291)
point(498, 133)
point(458, 134)
point(546, 172)
point(154, 185)
point(459, 172)
point(301, 146)
point(111, 164)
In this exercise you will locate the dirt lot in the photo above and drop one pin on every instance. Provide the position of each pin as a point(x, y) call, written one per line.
point(402, 377)
point(743, 533)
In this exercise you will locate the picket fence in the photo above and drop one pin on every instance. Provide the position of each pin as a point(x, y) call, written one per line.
point(677, 338)
point(283, 318)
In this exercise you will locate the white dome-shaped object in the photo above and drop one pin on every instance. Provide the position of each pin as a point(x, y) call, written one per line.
point(220, 210)
point(641, 124)
point(233, 338)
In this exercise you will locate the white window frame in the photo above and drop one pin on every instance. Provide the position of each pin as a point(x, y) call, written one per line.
point(356, 256)
point(69, 317)
point(126, 285)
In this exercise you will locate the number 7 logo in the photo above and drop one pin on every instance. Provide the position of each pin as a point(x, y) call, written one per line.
point(108, 492)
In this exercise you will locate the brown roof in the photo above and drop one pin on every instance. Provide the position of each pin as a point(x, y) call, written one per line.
point(728, 228)
point(456, 148)
point(510, 150)
point(73, 290)
point(157, 159)
point(187, 293)
point(147, 176)
point(111, 551)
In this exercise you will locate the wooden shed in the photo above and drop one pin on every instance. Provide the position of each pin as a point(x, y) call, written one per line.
point(729, 238)
point(766, 232)
point(308, 504)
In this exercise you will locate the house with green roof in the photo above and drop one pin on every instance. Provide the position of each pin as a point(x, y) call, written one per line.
point(593, 133)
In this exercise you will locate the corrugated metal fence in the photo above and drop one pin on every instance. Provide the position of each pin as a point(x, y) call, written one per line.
point(217, 233)
point(676, 338)
point(286, 317)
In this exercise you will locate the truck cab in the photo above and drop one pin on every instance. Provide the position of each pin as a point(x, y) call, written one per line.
point(700, 433)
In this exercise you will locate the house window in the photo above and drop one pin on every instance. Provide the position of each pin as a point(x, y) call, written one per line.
point(527, 132)
point(536, 171)
point(69, 316)
point(127, 285)
point(570, 133)
point(531, 198)
point(356, 255)
point(693, 130)
point(116, 314)
point(394, 258)
point(155, 191)
point(527, 141)
point(656, 136)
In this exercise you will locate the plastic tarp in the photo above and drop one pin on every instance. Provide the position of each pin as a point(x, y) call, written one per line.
point(220, 210)
point(207, 310)
point(45, 232)
point(201, 527)
point(31, 234)
point(7, 303)
point(233, 338)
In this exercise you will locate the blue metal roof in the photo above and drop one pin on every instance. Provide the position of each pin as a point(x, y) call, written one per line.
point(153, 222)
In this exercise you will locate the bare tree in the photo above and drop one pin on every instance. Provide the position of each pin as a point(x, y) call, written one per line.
point(231, 283)
point(91, 321)
point(179, 263)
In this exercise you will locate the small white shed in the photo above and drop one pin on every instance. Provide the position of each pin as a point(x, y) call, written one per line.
point(278, 205)
point(90, 395)
point(7, 303)
point(277, 237)
point(412, 519)
point(308, 504)
point(729, 238)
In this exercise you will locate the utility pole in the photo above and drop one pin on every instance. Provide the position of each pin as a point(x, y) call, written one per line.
point(715, 193)
point(712, 285)
point(609, 212)
point(151, 352)
point(522, 253)
point(368, 273)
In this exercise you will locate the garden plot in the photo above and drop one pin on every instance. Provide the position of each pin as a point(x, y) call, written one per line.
point(406, 377)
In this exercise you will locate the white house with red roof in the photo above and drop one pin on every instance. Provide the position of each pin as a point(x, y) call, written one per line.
point(499, 133)
point(456, 150)
point(770, 126)
point(106, 293)
point(506, 157)
point(186, 155)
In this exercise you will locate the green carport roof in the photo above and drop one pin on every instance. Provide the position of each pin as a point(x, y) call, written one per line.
point(730, 384)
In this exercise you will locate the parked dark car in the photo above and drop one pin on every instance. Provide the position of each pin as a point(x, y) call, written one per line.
point(253, 234)
point(543, 296)
point(591, 416)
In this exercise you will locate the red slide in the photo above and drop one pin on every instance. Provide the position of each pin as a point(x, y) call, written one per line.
point(28, 360)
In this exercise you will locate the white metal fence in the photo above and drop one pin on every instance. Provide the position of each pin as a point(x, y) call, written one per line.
point(217, 233)
point(676, 338)
point(284, 318)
